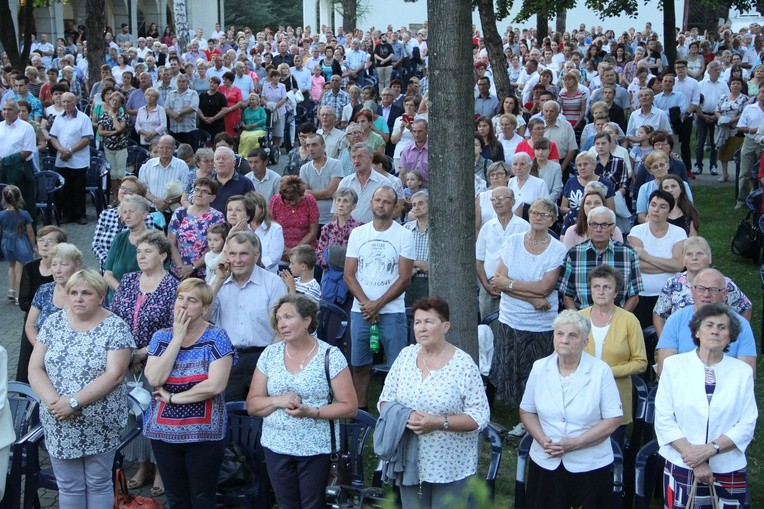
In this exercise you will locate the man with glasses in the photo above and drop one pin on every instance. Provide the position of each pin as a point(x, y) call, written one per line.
point(599, 249)
point(489, 241)
point(708, 287)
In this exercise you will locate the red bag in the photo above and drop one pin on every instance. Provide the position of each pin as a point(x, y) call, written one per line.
point(124, 500)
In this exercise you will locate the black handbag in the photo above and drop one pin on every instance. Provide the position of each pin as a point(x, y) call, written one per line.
point(339, 462)
point(747, 240)
point(235, 471)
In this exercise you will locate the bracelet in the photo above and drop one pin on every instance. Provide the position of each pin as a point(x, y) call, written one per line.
point(318, 413)
point(171, 398)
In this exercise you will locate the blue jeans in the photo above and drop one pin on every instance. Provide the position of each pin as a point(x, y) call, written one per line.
point(393, 332)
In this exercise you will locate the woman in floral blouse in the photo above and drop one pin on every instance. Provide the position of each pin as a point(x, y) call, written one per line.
point(338, 231)
point(442, 385)
point(144, 300)
point(78, 370)
point(113, 129)
point(187, 230)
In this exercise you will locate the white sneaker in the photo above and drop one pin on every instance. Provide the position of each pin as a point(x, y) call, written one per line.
point(518, 431)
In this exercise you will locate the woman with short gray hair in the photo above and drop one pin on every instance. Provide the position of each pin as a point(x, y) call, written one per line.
point(133, 211)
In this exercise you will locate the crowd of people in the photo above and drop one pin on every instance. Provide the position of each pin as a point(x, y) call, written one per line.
point(212, 266)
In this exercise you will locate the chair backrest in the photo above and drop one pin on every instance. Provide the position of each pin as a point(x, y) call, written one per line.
point(492, 437)
point(640, 403)
point(96, 171)
point(523, 450)
point(354, 434)
point(47, 182)
point(650, 406)
point(136, 156)
point(48, 163)
point(618, 494)
point(647, 466)
point(200, 138)
point(332, 324)
point(245, 431)
point(24, 405)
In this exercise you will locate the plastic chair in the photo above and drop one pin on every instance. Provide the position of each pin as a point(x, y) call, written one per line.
point(199, 138)
point(94, 184)
point(492, 434)
point(48, 183)
point(84, 106)
point(354, 434)
point(618, 492)
point(333, 325)
point(24, 406)
point(651, 340)
point(136, 156)
point(48, 163)
point(245, 431)
point(382, 369)
point(37, 477)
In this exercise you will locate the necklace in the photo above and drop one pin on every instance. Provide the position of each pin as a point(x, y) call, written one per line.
point(610, 318)
point(437, 358)
point(302, 362)
point(535, 242)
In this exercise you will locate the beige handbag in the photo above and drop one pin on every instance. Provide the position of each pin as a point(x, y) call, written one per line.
point(693, 493)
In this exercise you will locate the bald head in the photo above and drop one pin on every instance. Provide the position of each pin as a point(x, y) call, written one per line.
point(709, 286)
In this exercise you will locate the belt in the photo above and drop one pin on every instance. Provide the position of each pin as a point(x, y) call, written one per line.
point(249, 349)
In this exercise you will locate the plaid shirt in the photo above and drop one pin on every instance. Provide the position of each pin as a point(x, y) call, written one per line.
point(615, 171)
point(335, 101)
point(584, 257)
point(421, 243)
point(107, 228)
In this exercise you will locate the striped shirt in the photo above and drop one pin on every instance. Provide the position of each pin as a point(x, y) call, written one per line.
point(421, 243)
point(362, 211)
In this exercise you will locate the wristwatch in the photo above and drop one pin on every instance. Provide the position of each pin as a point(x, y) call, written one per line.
point(510, 285)
point(73, 403)
point(445, 422)
point(716, 446)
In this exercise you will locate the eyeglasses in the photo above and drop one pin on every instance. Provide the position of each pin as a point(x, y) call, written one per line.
point(497, 174)
point(710, 289)
point(499, 199)
point(200, 191)
point(602, 226)
point(47, 242)
point(127, 190)
point(542, 215)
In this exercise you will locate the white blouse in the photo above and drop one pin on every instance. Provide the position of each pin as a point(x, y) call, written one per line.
point(456, 388)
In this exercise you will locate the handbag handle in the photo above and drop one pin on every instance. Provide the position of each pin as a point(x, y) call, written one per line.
point(694, 492)
point(330, 399)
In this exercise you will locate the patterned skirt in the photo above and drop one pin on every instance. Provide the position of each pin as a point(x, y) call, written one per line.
point(730, 487)
point(514, 352)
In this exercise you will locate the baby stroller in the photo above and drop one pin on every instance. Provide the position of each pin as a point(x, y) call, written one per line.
point(266, 142)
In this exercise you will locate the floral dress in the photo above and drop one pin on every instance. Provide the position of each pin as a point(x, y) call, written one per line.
point(191, 234)
point(73, 360)
point(43, 300)
point(145, 313)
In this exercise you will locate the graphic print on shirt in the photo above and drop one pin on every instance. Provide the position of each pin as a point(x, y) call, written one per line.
point(377, 263)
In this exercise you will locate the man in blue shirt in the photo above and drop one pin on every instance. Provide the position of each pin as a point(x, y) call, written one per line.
point(709, 286)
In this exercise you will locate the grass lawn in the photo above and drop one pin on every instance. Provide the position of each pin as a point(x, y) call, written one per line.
point(718, 224)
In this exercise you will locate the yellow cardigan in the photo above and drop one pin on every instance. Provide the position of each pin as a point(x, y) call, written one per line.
point(623, 351)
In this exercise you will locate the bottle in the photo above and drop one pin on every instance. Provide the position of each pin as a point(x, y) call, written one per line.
point(374, 338)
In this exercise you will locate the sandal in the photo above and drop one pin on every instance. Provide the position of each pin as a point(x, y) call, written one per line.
point(723, 179)
point(136, 483)
point(157, 491)
point(11, 295)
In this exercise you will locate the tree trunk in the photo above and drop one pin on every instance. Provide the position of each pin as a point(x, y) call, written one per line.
point(542, 25)
point(9, 38)
point(94, 29)
point(349, 11)
point(180, 22)
point(452, 205)
point(562, 19)
point(495, 47)
point(669, 33)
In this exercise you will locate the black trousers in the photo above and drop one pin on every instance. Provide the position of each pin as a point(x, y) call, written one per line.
point(241, 374)
point(190, 472)
point(72, 196)
point(299, 482)
point(684, 133)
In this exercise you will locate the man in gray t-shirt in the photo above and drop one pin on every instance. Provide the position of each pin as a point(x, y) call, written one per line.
point(322, 175)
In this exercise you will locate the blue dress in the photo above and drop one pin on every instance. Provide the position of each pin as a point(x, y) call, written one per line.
point(16, 246)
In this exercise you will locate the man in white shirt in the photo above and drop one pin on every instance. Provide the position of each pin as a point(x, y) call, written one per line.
point(16, 153)
point(712, 89)
point(70, 136)
point(322, 176)
point(364, 181)
point(160, 171)
point(181, 106)
point(218, 32)
point(378, 267)
point(559, 130)
point(45, 49)
point(647, 114)
point(488, 247)
point(243, 80)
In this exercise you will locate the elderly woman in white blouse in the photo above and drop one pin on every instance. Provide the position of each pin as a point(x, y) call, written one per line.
point(442, 385)
point(570, 407)
point(526, 187)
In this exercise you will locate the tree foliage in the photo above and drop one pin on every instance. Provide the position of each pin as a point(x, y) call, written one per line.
point(269, 13)
point(8, 37)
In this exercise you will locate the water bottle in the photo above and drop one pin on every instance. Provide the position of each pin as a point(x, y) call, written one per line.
point(374, 338)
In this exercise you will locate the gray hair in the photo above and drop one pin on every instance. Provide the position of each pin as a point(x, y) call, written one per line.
point(522, 155)
point(547, 204)
point(361, 146)
point(601, 210)
point(574, 318)
point(245, 237)
point(698, 242)
point(227, 151)
point(139, 201)
point(421, 194)
point(204, 153)
point(67, 251)
point(553, 103)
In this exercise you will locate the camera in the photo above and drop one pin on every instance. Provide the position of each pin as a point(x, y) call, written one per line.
point(351, 497)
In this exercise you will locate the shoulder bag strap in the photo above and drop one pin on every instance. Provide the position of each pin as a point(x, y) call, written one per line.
point(330, 399)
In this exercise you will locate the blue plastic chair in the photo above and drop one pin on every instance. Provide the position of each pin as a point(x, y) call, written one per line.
point(47, 184)
point(492, 434)
point(136, 156)
point(333, 325)
point(245, 430)
point(354, 435)
point(94, 184)
point(24, 407)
